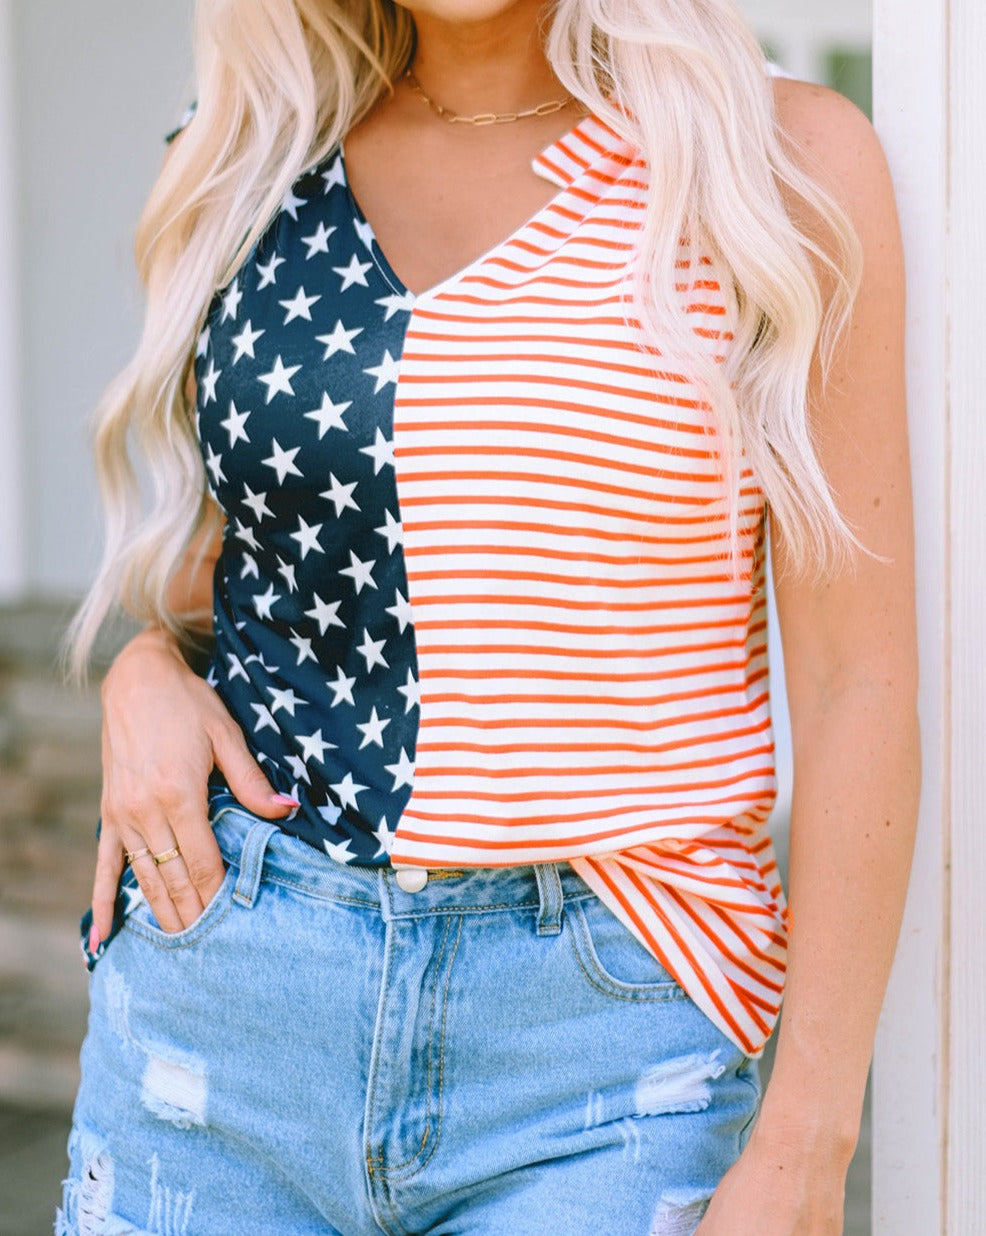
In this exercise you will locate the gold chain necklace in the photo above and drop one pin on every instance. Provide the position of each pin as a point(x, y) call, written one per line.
point(486, 118)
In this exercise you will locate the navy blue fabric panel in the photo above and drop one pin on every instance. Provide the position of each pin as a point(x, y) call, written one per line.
point(315, 657)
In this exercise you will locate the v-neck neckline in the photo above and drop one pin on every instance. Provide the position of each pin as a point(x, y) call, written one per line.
point(547, 164)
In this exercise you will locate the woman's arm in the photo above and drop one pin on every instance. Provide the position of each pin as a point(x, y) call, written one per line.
point(851, 671)
point(163, 730)
point(189, 593)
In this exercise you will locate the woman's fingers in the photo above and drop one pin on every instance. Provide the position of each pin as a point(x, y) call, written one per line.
point(109, 868)
point(243, 774)
point(170, 892)
point(201, 862)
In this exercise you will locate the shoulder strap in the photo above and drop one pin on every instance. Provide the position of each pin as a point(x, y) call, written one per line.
point(185, 120)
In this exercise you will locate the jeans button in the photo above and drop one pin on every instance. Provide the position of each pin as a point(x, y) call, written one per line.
point(412, 879)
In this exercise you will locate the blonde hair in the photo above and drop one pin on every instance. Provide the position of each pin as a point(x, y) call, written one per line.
point(280, 82)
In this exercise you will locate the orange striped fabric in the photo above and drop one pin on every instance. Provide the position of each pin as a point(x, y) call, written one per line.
point(594, 682)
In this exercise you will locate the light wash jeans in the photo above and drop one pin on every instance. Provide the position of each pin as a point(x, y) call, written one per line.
point(325, 1052)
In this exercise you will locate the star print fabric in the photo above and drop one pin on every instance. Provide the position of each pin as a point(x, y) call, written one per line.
point(315, 656)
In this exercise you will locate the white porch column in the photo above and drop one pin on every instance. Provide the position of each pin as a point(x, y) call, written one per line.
point(13, 552)
point(930, 1071)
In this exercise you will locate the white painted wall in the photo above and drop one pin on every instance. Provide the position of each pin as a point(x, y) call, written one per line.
point(97, 84)
point(930, 1151)
point(910, 75)
point(965, 1178)
point(12, 547)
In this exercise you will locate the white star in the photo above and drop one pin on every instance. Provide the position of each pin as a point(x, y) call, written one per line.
point(303, 647)
point(286, 572)
point(341, 340)
point(387, 371)
point(392, 530)
point(373, 729)
point(399, 302)
point(233, 424)
point(212, 678)
point(268, 273)
point(203, 343)
point(278, 381)
point(264, 719)
point(291, 203)
point(342, 688)
point(245, 340)
point(355, 272)
point(250, 567)
point(335, 175)
point(134, 895)
point(381, 452)
point(401, 609)
point(330, 813)
point(369, 650)
point(245, 534)
point(339, 852)
point(318, 242)
point(341, 495)
point(402, 771)
point(325, 613)
point(411, 692)
point(298, 769)
point(236, 669)
point(384, 836)
point(257, 658)
point(300, 306)
point(361, 572)
point(231, 301)
point(214, 463)
point(347, 789)
point(263, 602)
point(314, 747)
point(329, 415)
point(307, 538)
point(209, 384)
point(257, 503)
point(282, 461)
point(285, 699)
point(364, 232)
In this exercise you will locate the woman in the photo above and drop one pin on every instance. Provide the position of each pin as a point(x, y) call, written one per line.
point(445, 903)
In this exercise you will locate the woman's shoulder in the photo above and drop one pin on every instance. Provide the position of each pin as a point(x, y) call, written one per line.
point(834, 143)
point(827, 133)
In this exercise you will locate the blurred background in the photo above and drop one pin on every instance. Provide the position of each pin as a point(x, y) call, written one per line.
point(86, 94)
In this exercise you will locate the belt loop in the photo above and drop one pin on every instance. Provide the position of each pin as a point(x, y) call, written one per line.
point(550, 893)
point(252, 862)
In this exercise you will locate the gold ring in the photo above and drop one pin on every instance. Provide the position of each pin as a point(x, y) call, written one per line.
point(168, 854)
point(132, 854)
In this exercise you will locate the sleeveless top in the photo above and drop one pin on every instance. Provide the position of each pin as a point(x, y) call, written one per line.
point(474, 605)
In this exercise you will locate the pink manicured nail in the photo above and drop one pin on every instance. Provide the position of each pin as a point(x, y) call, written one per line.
point(93, 939)
point(284, 800)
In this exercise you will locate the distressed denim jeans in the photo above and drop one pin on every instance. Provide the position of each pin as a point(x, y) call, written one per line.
point(326, 1051)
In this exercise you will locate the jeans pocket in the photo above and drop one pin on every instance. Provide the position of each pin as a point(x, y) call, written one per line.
point(612, 959)
point(141, 921)
point(128, 897)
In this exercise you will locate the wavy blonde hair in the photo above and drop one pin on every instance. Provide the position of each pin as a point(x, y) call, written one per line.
point(280, 82)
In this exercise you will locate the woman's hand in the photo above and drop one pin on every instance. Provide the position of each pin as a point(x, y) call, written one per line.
point(163, 730)
point(780, 1186)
